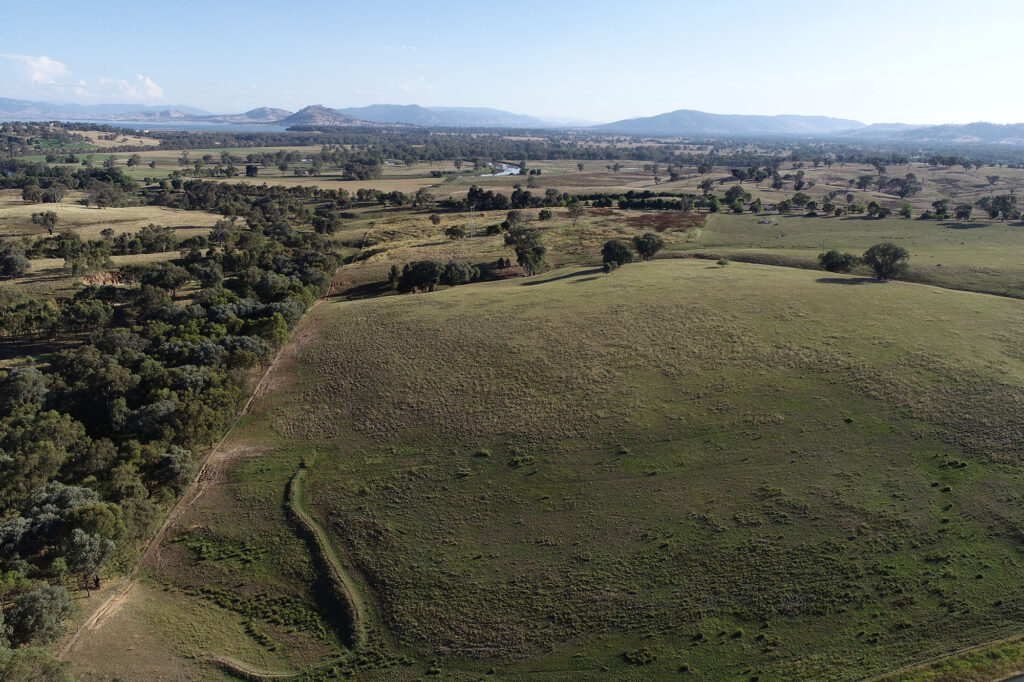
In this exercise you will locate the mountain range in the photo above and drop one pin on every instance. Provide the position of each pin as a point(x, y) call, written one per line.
point(690, 122)
point(680, 123)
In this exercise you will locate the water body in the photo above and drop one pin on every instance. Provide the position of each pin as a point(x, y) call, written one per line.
point(505, 170)
point(171, 125)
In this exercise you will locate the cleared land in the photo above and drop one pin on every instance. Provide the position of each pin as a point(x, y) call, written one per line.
point(736, 471)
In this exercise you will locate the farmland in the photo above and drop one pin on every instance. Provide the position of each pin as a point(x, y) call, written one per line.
point(721, 463)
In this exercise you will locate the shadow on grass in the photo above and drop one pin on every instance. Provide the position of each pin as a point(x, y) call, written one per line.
point(850, 280)
point(568, 275)
point(964, 226)
point(368, 290)
point(585, 279)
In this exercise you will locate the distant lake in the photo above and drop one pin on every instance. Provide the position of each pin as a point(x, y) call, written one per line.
point(169, 125)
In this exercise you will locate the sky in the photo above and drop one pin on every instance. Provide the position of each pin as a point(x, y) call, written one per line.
point(911, 61)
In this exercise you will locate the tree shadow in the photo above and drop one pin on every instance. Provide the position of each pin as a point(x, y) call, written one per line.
point(585, 279)
point(850, 280)
point(368, 290)
point(964, 226)
point(568, 275)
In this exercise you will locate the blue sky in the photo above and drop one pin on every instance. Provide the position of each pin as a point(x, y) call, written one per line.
point(911, 61)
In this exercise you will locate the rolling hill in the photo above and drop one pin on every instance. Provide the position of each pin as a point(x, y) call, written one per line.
point(706, 479)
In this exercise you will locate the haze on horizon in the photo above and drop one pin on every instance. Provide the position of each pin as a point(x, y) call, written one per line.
point(940, 61)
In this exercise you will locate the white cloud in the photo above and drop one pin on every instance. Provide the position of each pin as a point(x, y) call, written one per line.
point(40, 70)
point(140, 88)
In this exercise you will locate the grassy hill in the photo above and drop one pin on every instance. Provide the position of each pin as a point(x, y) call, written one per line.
point(738, 471)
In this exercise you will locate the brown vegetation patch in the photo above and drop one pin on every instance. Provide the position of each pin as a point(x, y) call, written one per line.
point(103, 279)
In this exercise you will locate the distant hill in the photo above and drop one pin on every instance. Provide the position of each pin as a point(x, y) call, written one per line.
point(457, 117)
point(25, 109)
point(258, 115)
point(317, 115)
point(982, 133)
point(699, 123)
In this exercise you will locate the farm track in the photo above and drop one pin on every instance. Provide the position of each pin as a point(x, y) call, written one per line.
point(210, 470)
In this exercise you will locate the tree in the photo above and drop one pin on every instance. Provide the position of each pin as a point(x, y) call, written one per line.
point(575, 210)
point(992, 179)
point(906, 210)
point(648, 245)
point(170, 277)
point(175, 468)
point(756, 206)
point(963, 211)
point(423, 198)
point(1006, 205)
point(579, 166)
point(32, 194)
point(435, 219)
point(941, 207)
point(420, 275)
point(13, 263)
point(529, 251)
point(455, 232)
point(134, 160)
point(46, 219)
point(616, 251)
point(251, 170)
point(784, 206)
point(38, 616)
point(55, 193)
point(833, 261)
point(86, 555)
point(458, 272)
point(886, 259)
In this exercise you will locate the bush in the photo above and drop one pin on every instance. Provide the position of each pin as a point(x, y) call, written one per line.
point(722, 261)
